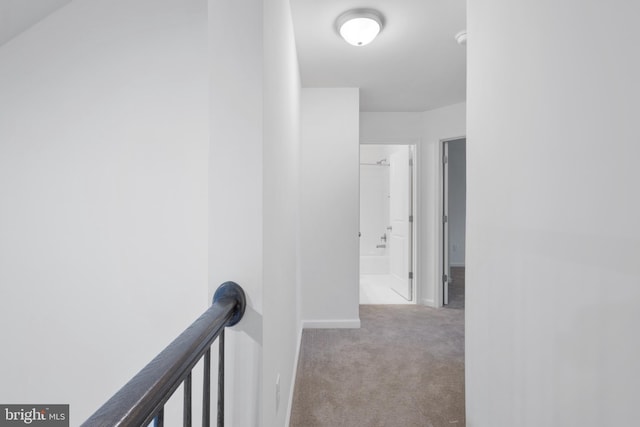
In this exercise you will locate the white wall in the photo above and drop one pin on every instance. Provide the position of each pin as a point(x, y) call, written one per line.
point(281, 205)
point(457, 201)
point(16, 16)
point(553, 238)
point(255, 199)
point(383, 126)
point(329, 210)
point(103, 193)
point(426, 129)
point(236, 228)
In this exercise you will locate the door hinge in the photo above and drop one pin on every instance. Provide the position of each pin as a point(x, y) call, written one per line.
point(445, 160)
point(410, 218)
point(410, 162)
point(445, 278)
point(445, 219)
point(411, 275)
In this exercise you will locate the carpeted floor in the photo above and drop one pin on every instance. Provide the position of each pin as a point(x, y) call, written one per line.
point(403, 368)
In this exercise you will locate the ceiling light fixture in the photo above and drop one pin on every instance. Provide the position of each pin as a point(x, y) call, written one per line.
point(359, 27)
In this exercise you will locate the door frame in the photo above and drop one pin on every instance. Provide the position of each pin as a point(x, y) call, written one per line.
point(416, 250)
point(439, 289)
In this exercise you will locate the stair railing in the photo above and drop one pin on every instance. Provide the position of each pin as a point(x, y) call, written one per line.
point(141, 401)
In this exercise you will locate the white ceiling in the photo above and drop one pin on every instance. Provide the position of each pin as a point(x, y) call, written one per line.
point(415, 63)
point(18, 15)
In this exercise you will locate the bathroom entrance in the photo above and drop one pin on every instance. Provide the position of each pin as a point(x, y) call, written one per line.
point(387, 182)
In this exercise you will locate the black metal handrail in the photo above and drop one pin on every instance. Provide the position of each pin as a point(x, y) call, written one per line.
point(142, 399)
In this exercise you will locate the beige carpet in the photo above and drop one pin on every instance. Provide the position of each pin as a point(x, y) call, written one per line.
point(404, 367)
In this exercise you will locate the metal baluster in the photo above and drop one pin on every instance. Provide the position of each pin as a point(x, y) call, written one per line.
point(186, 410)
point(140, 402)
point(158, 421)
point(221, 379)
point(206, 390)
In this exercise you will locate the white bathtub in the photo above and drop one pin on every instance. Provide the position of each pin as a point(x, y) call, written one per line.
point(374, 264)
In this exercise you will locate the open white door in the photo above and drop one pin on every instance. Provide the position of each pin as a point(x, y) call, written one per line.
point(400, 216)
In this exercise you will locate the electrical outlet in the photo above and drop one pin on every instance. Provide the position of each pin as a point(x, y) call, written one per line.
point(277, 393)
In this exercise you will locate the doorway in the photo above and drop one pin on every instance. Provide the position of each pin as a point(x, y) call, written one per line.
point(454, 212)
point(387, 181)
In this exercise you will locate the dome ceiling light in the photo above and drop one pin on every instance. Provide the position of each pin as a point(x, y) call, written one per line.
point(359, 27)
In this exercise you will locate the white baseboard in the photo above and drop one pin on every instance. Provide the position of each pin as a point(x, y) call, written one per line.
point(331, 324)
point(428, 302)
point(293, 377)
